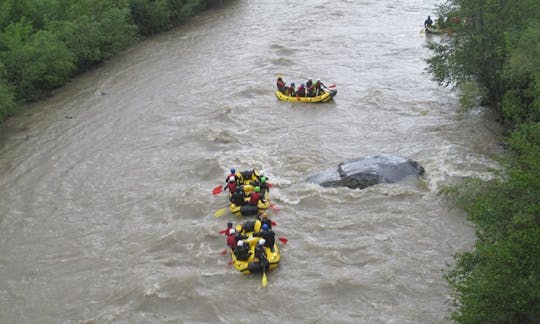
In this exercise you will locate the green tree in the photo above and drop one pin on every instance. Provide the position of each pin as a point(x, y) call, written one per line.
point(43, 43)
point(497, 45)
point(499, 282)
point(7, 103)
point(521, 103)
point(151, 16)
point(35, 62)
point(481, 46)
point(15, 10)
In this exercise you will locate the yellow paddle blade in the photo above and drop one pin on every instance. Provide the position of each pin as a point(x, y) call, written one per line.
point(264, 281)
point(220, 212)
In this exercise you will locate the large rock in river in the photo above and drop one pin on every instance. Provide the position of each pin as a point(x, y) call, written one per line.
point(367, 171)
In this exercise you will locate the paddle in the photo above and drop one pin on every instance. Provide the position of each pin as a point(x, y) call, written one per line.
point(224, 252)
point(217, 190)
point(264, 280)
point(283, 240)
point(220, 212)
point(275, 208)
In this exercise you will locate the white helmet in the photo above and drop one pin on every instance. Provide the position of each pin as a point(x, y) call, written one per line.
point(232, 231)
point(240, 243)
point(261, 173)
point(232, 179)
point(262, 241)
point(318, 79)
point(309, 78)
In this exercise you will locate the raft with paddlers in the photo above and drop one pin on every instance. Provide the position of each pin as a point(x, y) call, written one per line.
point(268, 262)
point(325, 97)
point(247, 179)
point(250, 210)
point(248, 193)
point(252, 245)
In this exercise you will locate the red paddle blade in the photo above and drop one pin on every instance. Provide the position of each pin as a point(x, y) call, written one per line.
point(223, 231)
point(270, 185)
point(283, 240)
point(275, 208)
point(224, 252)
point(273, 223)
point(230, 263)
point(332, 86)
point(217, 190)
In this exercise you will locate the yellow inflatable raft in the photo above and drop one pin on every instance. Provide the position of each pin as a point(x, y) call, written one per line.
point(249, 266)
point(325, 97)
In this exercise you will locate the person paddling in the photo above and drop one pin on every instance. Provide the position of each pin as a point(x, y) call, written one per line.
point(428, 23)
point(231, 185)
point(301, 92)
point(241, 251)
point(281, 84)
point(255, 196)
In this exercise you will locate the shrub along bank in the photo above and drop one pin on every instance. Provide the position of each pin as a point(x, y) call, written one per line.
point(44, 43)
point(496, 45)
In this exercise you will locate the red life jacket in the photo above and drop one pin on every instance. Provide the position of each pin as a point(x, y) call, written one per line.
point(255, 196)
point(231, 241)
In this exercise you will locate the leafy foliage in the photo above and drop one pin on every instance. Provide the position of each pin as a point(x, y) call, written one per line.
point(497, 46)
point(43, 43)
point(35, 62)
point(7, 103)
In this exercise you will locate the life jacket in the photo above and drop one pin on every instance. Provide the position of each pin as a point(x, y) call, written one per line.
point(232, 187)
point(318, 88)
point(255, 196)
point(248, 226)
point(264, 186)
point(290, 91)
point(260, 252)
point(268, 236)
point(231, 241)
point(237, 198)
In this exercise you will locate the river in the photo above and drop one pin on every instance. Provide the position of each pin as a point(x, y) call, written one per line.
point(106, 205)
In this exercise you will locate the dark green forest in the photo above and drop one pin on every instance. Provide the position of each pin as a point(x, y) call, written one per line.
point(495, 46)
point(44, 43)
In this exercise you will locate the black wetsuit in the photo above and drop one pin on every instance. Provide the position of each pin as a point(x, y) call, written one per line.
point(242, 252)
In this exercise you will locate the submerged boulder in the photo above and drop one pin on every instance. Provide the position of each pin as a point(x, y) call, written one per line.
point(367, 171)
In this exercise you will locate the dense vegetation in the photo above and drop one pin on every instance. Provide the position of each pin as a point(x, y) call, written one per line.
point(43, 43)
point(496, 46)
